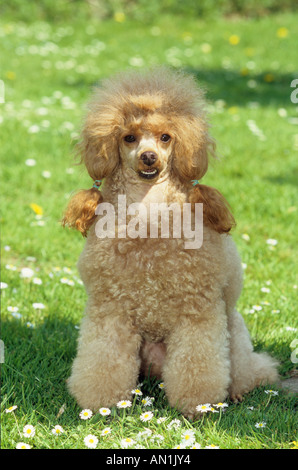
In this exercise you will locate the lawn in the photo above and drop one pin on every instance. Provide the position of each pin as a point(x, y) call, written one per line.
point(48, 70)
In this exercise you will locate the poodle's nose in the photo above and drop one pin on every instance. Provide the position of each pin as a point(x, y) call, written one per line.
point(148, 158)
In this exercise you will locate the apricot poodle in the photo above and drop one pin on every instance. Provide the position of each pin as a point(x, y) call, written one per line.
point(154, 305)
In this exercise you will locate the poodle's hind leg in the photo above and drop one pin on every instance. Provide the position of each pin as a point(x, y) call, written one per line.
point(107, 364)
point(248, 368)
point(197, 366)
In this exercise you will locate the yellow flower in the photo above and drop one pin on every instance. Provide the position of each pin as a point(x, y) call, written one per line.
point(36, 208)
point(249, 51)
point(269, 77)
point(10, 75)
point(233, 110)
point(295, 444)
point(244, 71)
point(282, 32)
point(234, 39)
point(119, 16)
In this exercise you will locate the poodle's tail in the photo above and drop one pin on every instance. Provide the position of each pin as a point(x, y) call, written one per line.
point(249, 369)
point(80, 212)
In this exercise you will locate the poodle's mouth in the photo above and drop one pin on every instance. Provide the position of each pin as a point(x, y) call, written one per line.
point(148, 174)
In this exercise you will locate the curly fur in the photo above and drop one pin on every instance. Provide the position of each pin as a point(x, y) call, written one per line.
point(154, 306)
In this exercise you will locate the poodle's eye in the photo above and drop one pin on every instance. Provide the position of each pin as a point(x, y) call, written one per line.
point(165, 138)
point(129, 138)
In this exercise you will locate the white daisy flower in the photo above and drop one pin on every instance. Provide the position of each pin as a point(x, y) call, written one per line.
point(161, 385)
point(265, 289)
point(146, 416)
point(271, 392)
point(147, 401)
point(38, 305)
point(204, 408)
point(127, 442)
point(30, 162)
point(10, 267)
point(10, 409)
point(26, 273)
point(221, 405)
point(105, 411)
point(188, 437)
point(195, 445)
point(91, 441)
point(262, 424)
point(29, 430)
point(161, 420)
point(22, 445)
point(124, 404)
point(175, 423)
point(37, 281)
point(85, 414)
point(106, 431)
point(212, 446)
point(271, 241)
point(12, 309)
point(137, 391)
point(180, 446)
point(57, 430)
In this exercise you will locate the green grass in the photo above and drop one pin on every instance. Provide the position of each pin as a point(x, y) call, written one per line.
point(48, 71)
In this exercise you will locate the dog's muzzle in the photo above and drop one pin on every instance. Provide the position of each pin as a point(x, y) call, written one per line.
point(148, 159)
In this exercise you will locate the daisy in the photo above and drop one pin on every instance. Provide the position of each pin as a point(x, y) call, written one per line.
point(12, 309)
point(212, 446)
point(29, 430)
point(146, 433)
point(85, 414)
point(188, 437)
point(146, 416)
point(22, 445)
point(137, 391)
point(195, 445)
point(179, 446)
point(106, 431)
point(265, 289)
point(26, 273)
point(57, 430)
point(204, 408)
point(147, 401)
point(124, 404)
point(213, 410)
point(10, 267)
point(17, 315)
point(161, 385)
point(262, 424)
point(221, 405)
point(30, 162)
point(91, 441)
point(271, 241)
point(175, 423)
point(38, 305)
point(37, 281)
point(161, 420)
point(271, 392)
point(10, 409)
point(127, 442)
point(105, 411)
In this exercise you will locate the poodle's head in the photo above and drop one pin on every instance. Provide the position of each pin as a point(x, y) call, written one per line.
point(149, 123)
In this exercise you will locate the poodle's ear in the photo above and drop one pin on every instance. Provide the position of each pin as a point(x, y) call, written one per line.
point(99, 146)
point(192, 145)
point(216, 212)
point(80, 212)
